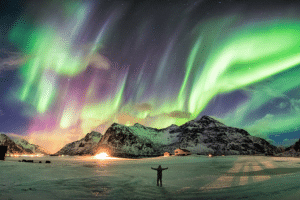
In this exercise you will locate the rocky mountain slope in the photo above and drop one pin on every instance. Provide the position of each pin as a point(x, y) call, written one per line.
point(13, 148)
point(202, 136)
point(295, 146)
point(35, 149)
point(84, 146)
point(207, 135)
point(291, 151)
point(123, 141)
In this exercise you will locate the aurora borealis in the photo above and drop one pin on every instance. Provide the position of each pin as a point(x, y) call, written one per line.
point(69, 67)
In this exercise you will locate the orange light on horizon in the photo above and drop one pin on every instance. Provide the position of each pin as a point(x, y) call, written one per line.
point(26, 155)
point(102, 156)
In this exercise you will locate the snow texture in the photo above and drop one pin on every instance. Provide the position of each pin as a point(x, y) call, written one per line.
point(80, 177)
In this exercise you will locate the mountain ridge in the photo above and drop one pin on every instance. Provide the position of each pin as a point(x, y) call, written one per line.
point(84, 146)
point(17, 145)
point(202, 136)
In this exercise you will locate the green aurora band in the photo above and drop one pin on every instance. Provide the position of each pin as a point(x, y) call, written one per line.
point(50, 47)
point(252, 54)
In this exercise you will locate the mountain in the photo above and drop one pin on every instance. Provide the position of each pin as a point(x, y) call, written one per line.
point(84, 146)
point(123, 141)
point(207, 135)
point(35, 149)
point(295, 146)
point(291, 151)
point(13, 148)
point(202, 136)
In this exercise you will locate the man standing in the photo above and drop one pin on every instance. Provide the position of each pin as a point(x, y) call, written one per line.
point(159, 174)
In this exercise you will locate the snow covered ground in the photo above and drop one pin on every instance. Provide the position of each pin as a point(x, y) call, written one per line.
point(191, 177)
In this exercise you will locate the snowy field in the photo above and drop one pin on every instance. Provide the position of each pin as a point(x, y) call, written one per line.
point(191, 177)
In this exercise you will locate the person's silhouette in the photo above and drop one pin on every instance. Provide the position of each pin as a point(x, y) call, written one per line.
point(159, 174)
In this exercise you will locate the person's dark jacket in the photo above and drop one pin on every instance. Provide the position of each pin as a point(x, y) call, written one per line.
point(159, 170)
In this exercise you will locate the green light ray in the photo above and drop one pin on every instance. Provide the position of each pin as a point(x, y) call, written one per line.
point(263, 94)
point(51, 46)
point(70, 114)
point(46, 91)
point(190, 64)
point(94, 114)
point(252, 48)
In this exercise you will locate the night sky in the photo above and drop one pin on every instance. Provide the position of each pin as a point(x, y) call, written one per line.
point(69, 67)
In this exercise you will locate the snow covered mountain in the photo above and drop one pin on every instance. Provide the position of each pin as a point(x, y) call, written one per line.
point(207, 135)
point(35, 149)
point(84, 146)
point(13, 148)
point(123, 141)
point(202, 136)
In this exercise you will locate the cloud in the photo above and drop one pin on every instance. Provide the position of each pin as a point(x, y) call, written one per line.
point(127, 119)
point(262, 126)
point(14, 136)
point(11, 60)
point(270, 124)
point(282, 105)
point(99, 61)
point(179, 114)
point(288, 142)
point(295, 103)
point(94, 59)
point(143, 107)
point(270, 141)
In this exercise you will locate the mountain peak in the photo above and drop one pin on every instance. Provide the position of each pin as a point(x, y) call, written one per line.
point(139, 125)
point(208, 121)
point(3, 136)
point(12, 146)
point(204, 135)
point(84, 146)
point(92, 134)
point(115, 124)
point(205, 117)
point(173, 125)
